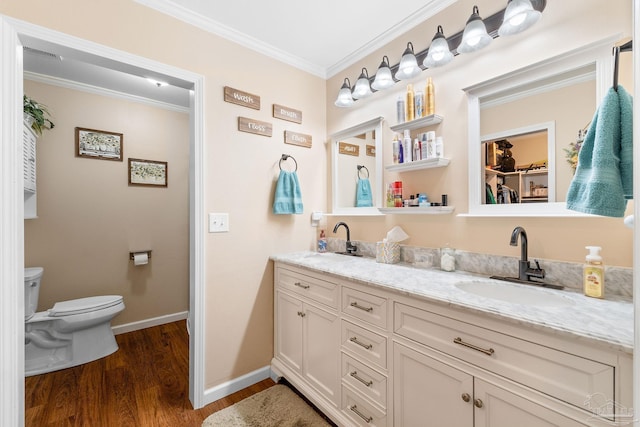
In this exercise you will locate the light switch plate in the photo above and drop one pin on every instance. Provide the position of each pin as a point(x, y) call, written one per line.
point(218, 222)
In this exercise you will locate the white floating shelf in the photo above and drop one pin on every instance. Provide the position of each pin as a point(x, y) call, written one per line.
point(437, 162)
point(431, 210)
point(420, 123)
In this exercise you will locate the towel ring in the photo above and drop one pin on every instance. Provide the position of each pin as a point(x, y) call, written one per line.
point(285, 157)
point(360, 167)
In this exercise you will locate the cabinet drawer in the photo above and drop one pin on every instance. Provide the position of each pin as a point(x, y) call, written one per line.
point(365, 344)
point(361, 412)
point(370, 308)
point(367, 381)
point(318, 290)
point(562, 375)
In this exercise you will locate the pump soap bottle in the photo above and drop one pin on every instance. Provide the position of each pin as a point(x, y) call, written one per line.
point(593, 276)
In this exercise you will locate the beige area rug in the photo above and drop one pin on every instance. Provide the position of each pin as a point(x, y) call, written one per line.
point(277, 406)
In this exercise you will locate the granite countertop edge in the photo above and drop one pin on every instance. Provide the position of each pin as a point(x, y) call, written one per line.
point(603, 322)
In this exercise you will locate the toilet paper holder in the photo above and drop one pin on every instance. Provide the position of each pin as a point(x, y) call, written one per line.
point(132, 254)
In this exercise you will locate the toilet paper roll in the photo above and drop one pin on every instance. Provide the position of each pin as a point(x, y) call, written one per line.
point(141, 258)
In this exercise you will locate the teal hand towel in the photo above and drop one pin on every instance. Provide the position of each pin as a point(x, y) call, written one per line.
point(604, 177)
point(363, 193)
point(288, 198)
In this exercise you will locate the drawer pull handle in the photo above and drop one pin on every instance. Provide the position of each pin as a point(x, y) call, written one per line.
point(361, 344)
point(466, 397)
point(488, 352)
point(301, 314)
point(358, 306)
point(300, 285)
point(354, 374)
point(478, 403)
point(366, 419)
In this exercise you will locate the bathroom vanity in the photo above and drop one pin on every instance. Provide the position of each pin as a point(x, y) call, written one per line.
point(391, 345)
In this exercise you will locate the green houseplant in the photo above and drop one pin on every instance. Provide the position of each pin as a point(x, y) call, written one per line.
point(38, 114)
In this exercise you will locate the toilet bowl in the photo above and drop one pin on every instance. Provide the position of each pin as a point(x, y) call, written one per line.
point(68, 334)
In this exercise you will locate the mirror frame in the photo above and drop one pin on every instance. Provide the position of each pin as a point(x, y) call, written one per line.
point(375, 125)
point(598, 53)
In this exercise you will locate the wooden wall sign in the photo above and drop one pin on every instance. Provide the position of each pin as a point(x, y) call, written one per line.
point(254, 126)
point(239, 97)
point(286, 113)
point(350, 149)
point(295, 138)
point(371, 150)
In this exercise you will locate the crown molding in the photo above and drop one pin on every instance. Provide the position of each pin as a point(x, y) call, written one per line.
point(427, 11)
point(212, 26)
point(96, 90)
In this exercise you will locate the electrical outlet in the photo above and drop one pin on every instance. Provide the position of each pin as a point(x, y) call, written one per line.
point(218, 222)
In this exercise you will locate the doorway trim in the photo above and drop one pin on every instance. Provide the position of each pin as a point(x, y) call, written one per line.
point(12, 210)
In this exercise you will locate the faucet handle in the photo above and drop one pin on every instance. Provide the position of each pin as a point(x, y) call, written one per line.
point(351, 248)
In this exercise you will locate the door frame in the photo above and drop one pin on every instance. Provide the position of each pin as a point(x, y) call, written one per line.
point(12, 209)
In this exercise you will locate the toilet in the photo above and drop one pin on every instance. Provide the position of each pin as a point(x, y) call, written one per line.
point(68, 334)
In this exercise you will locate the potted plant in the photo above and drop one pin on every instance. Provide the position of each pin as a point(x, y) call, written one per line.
point(37, 114)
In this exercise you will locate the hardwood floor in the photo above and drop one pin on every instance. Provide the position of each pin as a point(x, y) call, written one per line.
point(143, 384)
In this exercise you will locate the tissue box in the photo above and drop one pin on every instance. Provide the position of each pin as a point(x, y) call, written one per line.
point(387, 253)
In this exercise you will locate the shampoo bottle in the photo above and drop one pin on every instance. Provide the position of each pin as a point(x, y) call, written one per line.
point(593, 277)
point(408, 147)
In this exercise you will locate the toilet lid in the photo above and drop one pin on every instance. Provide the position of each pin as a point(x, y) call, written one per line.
point(83, 305)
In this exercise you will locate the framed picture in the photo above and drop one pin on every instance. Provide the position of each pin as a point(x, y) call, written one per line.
point(148, 172)
point(98, 144)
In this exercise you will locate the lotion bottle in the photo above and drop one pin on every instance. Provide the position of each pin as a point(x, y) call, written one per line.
point(593, 276)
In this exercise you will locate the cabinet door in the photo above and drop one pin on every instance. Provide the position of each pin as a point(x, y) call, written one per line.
point(428, 392)
point(497, 407)
point(321, 350)
point(289, 331)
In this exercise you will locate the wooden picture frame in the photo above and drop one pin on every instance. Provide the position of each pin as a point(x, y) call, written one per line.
point(148, 173)
point(99, 144)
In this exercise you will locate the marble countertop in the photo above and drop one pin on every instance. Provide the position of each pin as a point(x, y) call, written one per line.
point(559, 311)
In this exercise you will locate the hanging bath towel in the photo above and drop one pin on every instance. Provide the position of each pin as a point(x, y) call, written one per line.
point(288, 199)
point(363, 193)
point(604, 177)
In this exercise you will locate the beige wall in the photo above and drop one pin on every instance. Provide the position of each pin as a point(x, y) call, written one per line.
point(560, 29)
point(89, 218)
point(240, 168)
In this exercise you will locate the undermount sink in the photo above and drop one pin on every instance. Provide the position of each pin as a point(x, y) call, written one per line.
point(515, 294)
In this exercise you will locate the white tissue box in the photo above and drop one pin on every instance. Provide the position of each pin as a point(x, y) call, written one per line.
point(387, 252)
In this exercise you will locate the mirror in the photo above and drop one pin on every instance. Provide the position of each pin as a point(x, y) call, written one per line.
point(520, 128)
point(357, 169)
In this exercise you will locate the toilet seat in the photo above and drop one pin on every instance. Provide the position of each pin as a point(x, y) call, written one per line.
point(83, 305)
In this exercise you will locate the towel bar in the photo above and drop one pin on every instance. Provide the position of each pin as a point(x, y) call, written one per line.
point(285, 157)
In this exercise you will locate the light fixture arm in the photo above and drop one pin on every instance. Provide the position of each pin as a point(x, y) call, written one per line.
point(492, 23)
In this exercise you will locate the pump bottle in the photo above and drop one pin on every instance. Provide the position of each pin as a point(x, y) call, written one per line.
point(593, 276)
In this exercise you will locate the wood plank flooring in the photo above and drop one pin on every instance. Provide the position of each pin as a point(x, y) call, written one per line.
point(143, 384)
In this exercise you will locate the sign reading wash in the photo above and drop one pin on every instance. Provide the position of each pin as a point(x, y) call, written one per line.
point(239, 97)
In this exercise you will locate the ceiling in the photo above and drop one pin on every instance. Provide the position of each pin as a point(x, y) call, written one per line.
point(320, 37)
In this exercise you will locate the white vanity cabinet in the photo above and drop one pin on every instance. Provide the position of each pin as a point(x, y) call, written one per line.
point(406, 361)
point(307, 330)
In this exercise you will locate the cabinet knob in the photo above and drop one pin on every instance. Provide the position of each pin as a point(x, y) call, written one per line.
point(301, 314)
point(466, 397)
point(478, 403)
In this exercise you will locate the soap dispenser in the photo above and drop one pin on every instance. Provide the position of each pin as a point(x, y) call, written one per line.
point(593, 276)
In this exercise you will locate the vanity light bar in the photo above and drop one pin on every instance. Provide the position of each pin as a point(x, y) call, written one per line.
point(492, 23)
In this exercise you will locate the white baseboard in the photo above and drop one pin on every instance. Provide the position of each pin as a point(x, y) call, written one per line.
point(236, 384)
point(147, 323)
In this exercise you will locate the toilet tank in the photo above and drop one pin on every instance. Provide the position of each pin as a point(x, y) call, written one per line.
point(32, 277)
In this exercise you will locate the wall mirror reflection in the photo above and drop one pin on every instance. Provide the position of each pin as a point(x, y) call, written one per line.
point(520, 165)
point(522, 127)
point(357, 169)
